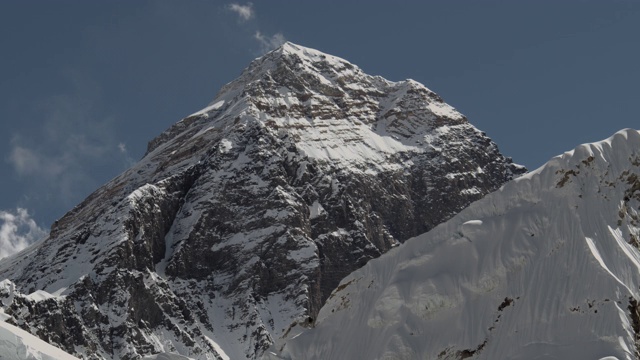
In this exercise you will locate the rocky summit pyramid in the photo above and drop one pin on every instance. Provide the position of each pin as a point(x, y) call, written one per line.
point(548, 267)
point(242, 218)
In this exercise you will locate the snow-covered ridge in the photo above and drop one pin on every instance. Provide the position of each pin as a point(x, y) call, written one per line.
point(546, 266)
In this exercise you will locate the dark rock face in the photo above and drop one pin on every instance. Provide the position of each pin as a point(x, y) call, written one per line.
point(241, 219)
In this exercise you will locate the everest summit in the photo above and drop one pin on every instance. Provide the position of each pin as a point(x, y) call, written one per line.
point(241, 219)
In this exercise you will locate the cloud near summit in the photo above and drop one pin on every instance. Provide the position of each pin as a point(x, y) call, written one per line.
point(247, 12)
point(268, 43)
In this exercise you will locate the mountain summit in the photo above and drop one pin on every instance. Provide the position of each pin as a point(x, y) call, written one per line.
point(242, 218)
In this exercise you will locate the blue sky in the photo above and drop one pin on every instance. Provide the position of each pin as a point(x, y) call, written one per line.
point(86, 84)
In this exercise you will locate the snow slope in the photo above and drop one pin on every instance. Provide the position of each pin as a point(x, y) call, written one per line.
point(547, 267)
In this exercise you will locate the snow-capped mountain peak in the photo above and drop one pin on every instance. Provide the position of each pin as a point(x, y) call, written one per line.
point(332, 110)
point(242, 218)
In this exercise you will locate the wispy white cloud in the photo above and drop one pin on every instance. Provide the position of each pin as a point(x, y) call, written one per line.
point(58, 160)
point(28, 162)
point(128, 160)
point(17, 231)
point(268, 43)
point(244, 12)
